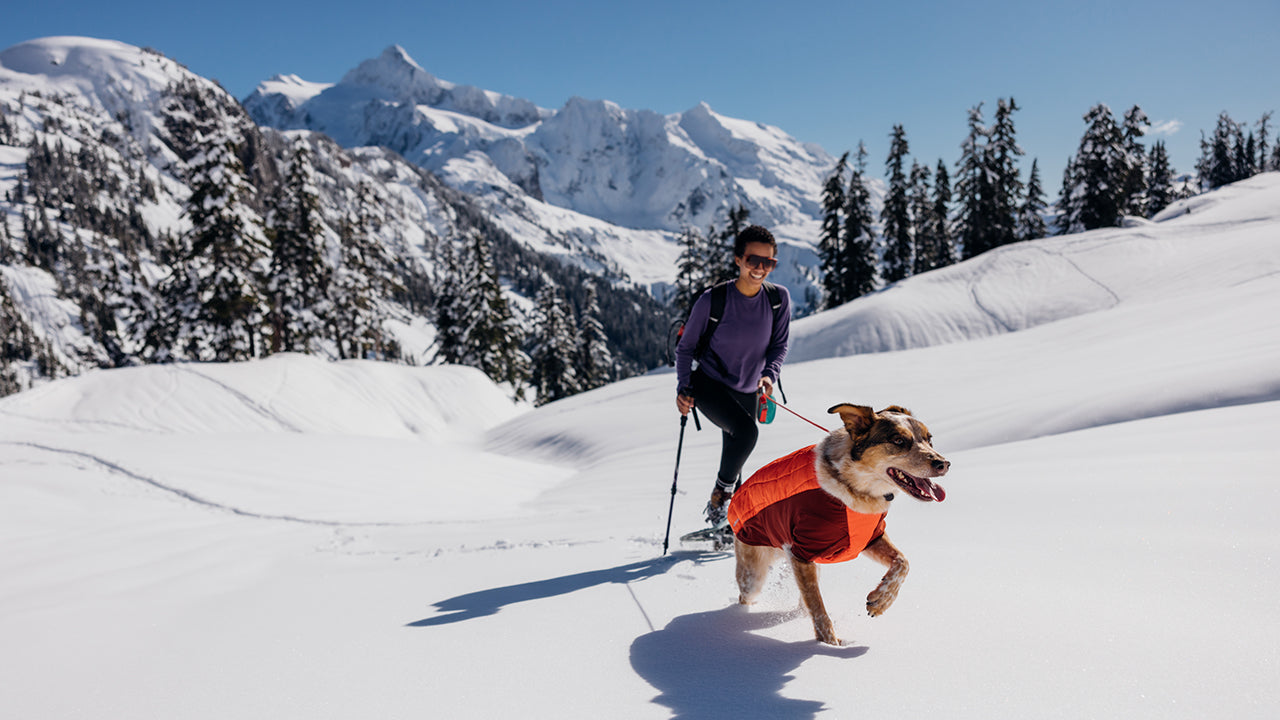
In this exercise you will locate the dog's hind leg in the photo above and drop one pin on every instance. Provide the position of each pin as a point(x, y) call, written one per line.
point(753, 563)
point(884, 552)
point(807, 578)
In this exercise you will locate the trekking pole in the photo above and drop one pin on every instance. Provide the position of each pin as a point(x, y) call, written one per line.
point(684, 420)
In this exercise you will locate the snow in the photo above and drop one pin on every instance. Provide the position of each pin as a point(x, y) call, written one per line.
point(290, 538)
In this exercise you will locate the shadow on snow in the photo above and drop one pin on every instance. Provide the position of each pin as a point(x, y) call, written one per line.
point(712, 664)
point(488, 602)
point(709, 664)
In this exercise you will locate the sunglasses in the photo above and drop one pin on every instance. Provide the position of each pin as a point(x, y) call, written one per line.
point(756, 261)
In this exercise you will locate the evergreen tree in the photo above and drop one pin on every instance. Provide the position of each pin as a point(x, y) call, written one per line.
point(595, 360)
point(895, 216)
point(697, 268)
point(556, 342)
point(1031, 223)
point(830, 246)
point(1132, 169)
point(923, 225)
point(450, 307)
point(737, 221)
point(974, 190)
point(1091, 183)
point(214, 294)
point(491, 337)
point(859, 263)
point(1006, 186)
point(298, 280)
point(1160, 192)
point(1216, 166)
point(943, 251)
point(719, 262)
point(1264, 162)
point(363, 276)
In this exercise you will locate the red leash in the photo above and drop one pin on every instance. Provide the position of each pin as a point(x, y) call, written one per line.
point(793, 412)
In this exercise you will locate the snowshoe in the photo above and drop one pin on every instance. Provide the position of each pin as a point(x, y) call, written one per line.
point(719, 538)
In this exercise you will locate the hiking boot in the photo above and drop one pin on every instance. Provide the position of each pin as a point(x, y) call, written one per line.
point(717, 511)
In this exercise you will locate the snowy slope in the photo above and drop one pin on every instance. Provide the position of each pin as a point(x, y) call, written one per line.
point(1207, 242)
point(294, 539)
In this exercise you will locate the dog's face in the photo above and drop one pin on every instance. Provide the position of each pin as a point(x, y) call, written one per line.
point(891, 451)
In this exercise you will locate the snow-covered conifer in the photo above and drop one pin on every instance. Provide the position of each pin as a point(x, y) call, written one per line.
point(923, 224)
point(214, 294)
point(297, 283)
point(945, 252)
point(1133, 166)
point(1160, 192)
point(1030, 223)
point(1092, 183)
point(861, 276)
point(490, 336)
point(830, 242)
point(974, 189)
point(1002, 154)
point(895, 216)
point(359, 284)
point(555, 347)
point(694, 269)
point(595, 359)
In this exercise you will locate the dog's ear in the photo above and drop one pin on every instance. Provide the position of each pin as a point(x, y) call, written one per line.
point(896, 409)
point(857, 418)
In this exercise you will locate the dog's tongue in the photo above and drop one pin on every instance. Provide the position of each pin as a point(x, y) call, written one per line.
point(936, 491)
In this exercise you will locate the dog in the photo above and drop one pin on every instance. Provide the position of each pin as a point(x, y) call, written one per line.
point(827, 503)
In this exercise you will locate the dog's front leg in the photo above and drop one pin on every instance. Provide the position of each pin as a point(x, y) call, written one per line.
point(884, 552)
point(807, 578)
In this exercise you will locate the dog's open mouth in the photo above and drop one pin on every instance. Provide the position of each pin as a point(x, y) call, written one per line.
point(920, 488)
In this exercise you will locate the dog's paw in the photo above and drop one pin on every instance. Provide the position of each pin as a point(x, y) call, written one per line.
point(879, 600)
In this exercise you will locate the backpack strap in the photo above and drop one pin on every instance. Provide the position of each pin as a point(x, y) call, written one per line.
point(775, 296)
point(719, 296)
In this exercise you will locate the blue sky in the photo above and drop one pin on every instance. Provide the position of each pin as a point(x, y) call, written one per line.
point(827, 72)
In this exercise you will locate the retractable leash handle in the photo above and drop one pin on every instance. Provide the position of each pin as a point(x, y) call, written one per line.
point(766, 408)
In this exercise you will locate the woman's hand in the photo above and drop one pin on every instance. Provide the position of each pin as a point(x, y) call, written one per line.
point(684, 404)
point(766, 385)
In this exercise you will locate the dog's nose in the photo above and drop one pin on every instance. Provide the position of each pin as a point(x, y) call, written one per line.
point(941, 465)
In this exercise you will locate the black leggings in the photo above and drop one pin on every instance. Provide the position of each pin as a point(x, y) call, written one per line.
point(734, 413)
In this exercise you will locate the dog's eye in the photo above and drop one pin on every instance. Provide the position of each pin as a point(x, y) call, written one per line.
point(900, 441)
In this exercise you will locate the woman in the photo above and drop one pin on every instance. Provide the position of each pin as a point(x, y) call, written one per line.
point(743, 357)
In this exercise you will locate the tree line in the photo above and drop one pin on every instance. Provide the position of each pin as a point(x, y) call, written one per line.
point(928, 220)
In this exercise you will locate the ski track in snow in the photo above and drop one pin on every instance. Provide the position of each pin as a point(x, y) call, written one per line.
point(248, 402)
point(117, 469)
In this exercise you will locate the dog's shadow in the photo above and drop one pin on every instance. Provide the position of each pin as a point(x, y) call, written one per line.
point(712, 664)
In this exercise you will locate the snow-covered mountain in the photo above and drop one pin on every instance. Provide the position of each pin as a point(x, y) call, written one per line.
point(291, 538)
point(591, 174)
point(98, 144)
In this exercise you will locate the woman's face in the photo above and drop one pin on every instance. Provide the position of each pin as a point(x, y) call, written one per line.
point(755, 263)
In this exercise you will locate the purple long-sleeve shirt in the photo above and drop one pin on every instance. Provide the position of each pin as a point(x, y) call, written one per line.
point(748, 345)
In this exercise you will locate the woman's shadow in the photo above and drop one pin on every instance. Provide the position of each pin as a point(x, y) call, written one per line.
point(488, 602)
point(712, 664)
